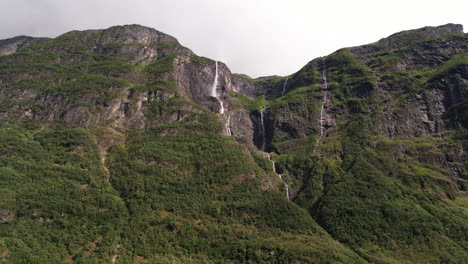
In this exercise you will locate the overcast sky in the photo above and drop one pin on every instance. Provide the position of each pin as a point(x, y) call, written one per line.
point(255, 37)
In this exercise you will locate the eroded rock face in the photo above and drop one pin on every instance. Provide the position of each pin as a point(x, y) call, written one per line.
point(428, 112)
point(10, 46)
point(135, 34)
point(241, 125)
point(453, 92)
point(405, 38)
point(243, 85)
point(138, 54)
point(362, 119)
point(194, 80)
point(432, 111)
point(127, 108)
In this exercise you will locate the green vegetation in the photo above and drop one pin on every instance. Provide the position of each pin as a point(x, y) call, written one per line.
point(248, 103)
point(268, 79)
point(88, 83)
point(157, 85)
point(200, 59)
point(411, 38)
point(303, 97)
point(391, 200)
point(243, 76)
point(307, 75)
point(377, 197)
point(190, 195)
point(302, 104)
point(160, 184)
point(56, 196)
point(74, 41)
point(353, 78)
point(161, 66)
point(447, 67)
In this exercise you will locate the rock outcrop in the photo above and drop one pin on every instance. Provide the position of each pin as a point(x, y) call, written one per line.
point(407, 38)
point(370, 141)
point(10, 46)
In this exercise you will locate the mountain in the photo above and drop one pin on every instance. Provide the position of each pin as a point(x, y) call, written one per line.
point(122, 146)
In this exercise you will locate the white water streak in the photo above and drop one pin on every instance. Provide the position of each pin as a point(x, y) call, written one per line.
point(286, 187)
point(263, 131)
point(225, 116)
point(284, 86)
point(322, 109)
point(227, 125)
point(213, 90)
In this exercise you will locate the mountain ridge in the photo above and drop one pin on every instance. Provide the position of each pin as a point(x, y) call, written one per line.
point(113, 148)
point(423, 33)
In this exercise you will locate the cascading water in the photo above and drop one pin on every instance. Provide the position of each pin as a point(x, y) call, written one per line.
point(227, 125)
point(263, 132)
point(263, 147)
point(225, 116)
point(286, 187)
point(284, 86)
point(322, 109)
point(213, 90)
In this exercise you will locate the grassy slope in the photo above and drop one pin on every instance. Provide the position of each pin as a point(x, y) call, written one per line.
point(388, 205)
point(194, 195)
point(176, 193)
point(181, 193)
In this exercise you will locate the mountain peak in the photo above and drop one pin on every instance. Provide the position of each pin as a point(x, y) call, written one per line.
point(409, 37)
point(114, 141)
point(136, 34)
point(11, 45)
point(91, 39)
point(432, 32)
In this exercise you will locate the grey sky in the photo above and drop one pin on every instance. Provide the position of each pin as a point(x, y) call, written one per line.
point(256, 37)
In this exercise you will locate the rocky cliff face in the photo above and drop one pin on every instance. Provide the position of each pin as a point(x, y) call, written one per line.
point(370, 141)
point(407, 38)
point(10, 46)
point(405, 84)
point(428, 64)
point(177, 73)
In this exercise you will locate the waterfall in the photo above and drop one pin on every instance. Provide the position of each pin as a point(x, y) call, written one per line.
point(322, 109)
point(213, 90)
point(224, 116)
point(284, 86)
point(215, 83)
point(263, 147)
point(227, 125)
point(263, 132)
point(286, 187)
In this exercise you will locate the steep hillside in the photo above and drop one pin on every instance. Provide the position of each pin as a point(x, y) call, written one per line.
point(122, 146)
point(372, 142)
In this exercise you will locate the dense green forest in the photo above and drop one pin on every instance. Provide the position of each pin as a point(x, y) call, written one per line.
point(113, 150)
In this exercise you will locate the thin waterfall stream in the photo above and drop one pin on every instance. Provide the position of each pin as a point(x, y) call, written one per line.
point(286, 187)
point(322, 109)
point(284, 86)
point(263, 131)
point(213, 90)
point(228, 124)
point(222, 111)
point(262, 115)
